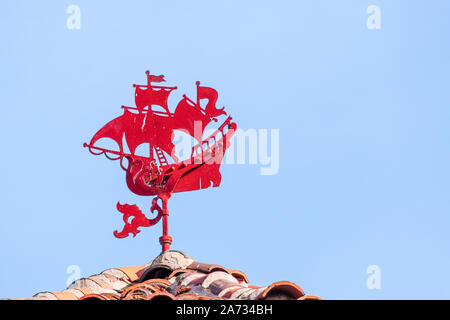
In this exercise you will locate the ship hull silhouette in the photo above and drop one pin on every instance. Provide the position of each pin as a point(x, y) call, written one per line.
point(200, 171)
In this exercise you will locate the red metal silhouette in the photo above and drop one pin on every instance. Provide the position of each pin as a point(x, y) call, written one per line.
point(161, 173)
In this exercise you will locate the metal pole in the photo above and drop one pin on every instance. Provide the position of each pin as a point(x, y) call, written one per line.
point(165, 240)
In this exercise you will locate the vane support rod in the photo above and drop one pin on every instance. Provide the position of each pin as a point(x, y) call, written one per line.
point(165, 240)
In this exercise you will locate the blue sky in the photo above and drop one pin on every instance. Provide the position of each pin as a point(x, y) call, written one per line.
point(363, 117)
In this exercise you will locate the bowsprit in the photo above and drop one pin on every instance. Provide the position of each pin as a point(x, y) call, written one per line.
point(162, 173)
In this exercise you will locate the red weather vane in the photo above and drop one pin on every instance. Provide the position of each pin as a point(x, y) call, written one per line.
point(162, 173)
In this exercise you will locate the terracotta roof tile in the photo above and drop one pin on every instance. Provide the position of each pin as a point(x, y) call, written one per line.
point(45, 296)
point(85, 291)
point(132, 272)
point(283, 286)
point(309, 297)
point(241, 294)
point(220, 276)
point(173, 275)
point(228, 291)
point(65, 295)
point(94, 296)
point(238, 274)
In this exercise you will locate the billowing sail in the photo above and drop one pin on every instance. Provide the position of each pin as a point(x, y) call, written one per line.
point(212, 95)
point(190, 118)
point(152, 95)
point(138, 128)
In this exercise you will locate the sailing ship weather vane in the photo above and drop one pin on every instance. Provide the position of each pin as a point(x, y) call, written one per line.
point(162, 173)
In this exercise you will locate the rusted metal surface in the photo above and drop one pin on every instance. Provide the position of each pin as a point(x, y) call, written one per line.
point(161, 173)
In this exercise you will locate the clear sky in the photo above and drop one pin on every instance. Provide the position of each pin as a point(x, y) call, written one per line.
point(363, 118)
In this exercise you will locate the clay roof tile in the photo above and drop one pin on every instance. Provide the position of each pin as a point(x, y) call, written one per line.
point(173, 275)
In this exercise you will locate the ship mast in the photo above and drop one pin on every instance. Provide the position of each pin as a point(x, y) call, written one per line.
point(149, 85)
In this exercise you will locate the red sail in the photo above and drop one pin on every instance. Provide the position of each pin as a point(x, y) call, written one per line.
point(139, 128)
point(189, 115)
point(152, 96)
point(212, 95)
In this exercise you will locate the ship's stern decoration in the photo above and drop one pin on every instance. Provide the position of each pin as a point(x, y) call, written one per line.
point(162, 173)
